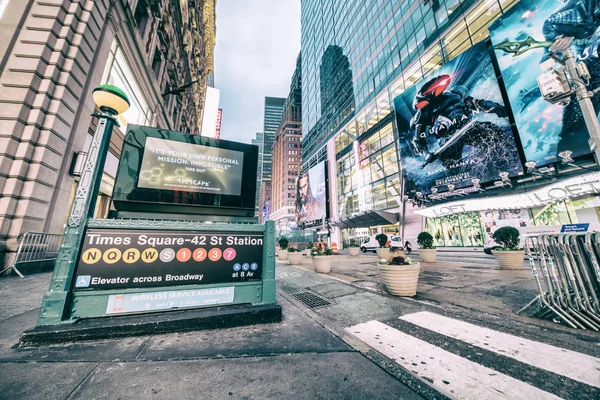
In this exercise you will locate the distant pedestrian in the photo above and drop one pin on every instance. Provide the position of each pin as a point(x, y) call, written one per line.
point(407, 249)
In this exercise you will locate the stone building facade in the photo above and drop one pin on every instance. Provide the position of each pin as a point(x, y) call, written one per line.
point(53, 53)
point(287, 156)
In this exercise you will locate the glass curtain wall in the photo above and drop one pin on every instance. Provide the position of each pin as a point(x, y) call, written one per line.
point(407, 62)
point(368, 175)
point(378, 47)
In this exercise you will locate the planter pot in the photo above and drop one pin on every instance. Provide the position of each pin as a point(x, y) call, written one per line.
point(295, 258)
point(354, 251)
point(322, 264)
point(382, 252)
point(307, 252)
point(509, 259)
point(283, 254)
point(400, 280)
point(428, 255)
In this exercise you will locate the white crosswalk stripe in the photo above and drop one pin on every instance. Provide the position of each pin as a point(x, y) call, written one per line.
point(452, 375)
point(573, 365)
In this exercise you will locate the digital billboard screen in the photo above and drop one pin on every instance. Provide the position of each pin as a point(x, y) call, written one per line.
point(166, 171)
point(171, 165)
point(311, 194)
point(454, 128)
point(521, 39)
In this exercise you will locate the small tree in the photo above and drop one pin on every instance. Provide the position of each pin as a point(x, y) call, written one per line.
point(352, 243)
point(508, 237)
point(381, 239)
point(283, 243)
point(425, 240)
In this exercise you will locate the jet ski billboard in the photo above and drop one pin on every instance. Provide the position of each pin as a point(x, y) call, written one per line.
point(453, 127)
point(521, 39)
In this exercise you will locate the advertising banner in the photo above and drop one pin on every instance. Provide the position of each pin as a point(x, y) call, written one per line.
point(311, 195)
point(136, 302)
point(492, 220)
point(171, 165)
point(127, 259)
point(521, 39)
point(174, 172)
point(454, 128)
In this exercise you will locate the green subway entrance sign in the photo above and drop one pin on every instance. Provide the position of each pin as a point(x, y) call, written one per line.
point(118, 259)
point(177, 239)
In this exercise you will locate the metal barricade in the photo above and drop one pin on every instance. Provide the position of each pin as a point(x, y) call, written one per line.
point(36, 247)
point(569, 285)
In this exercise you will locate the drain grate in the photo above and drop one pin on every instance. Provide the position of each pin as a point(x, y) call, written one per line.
point(311, 300)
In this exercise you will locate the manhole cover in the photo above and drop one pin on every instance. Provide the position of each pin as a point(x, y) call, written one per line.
point(311, 300)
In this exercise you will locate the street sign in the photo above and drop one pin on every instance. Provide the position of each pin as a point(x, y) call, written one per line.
point(570, 228)
point(130, 259)
point(551, 85)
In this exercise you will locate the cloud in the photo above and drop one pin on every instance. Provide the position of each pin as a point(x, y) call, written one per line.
point(255, 56)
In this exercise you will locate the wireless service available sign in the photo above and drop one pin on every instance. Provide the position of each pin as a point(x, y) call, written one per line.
point(126, 259)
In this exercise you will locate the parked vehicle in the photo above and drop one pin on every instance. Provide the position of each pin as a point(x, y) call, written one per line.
point(370, 243)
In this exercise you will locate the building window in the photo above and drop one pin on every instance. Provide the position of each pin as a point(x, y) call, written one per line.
point(3, 4)
point(118, 73)
point(141, 16)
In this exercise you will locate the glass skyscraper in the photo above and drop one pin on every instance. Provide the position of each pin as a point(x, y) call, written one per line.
point(353, 51)
point(273, 113)
point(357, 56)
point(258, 141)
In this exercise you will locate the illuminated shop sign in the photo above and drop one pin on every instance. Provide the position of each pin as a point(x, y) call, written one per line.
point(567, 189)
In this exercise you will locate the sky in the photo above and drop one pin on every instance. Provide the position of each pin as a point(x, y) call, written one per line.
point(258, 42)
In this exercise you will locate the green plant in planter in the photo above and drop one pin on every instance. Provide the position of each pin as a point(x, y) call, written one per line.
point(283, 243)
point(321, 252)
point(293, 250)
point(401, 261)
point(381, 239)
point(310, 245)
point(352, 244)
point(508, 238)
point(425, 240)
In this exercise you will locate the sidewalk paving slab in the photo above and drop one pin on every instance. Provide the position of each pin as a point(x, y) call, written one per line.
point(33, 381)
point(295, 376)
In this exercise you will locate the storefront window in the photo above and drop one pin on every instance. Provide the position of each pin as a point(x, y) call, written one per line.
point(555, 214)
point(457, 230)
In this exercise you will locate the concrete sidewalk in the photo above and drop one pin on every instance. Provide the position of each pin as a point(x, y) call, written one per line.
point(470, 284)
point(297, 358)
point(315, 352)
point(458, 348)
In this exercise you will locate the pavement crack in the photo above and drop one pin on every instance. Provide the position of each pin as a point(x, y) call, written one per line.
point(83, 380)
point(143, 347)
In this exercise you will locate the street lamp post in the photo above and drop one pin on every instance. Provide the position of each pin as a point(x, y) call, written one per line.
point(112, 101)
point(557, 87)
point(584, 97)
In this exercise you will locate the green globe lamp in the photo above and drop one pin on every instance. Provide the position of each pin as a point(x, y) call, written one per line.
point(111, 99)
